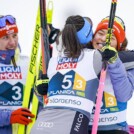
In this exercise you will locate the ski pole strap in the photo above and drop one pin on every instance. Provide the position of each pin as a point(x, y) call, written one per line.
point(109, 54)
point(41, 87)
point(49, 12)
point(45, 81)
point(110, 26)
point(44, 37)
point(103, 71)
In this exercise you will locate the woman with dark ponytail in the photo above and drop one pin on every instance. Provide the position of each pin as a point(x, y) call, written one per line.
point(73, 81)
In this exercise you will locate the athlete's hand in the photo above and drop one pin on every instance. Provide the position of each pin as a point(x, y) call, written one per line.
point(109, 54)
point(22, 116)
point(53, 34)
point(41, 85)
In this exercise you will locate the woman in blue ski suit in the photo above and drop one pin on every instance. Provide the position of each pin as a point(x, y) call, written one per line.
point(117, 92)
point(13, 73)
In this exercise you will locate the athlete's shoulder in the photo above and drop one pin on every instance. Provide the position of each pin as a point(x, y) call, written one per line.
point(126, 56)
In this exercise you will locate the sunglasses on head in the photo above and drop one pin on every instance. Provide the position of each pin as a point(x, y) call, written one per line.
point(4, 19)
point(118, 20)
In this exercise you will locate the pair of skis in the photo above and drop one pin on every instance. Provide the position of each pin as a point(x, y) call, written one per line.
point(31, 72)
point(35, 71)
point(103, 71)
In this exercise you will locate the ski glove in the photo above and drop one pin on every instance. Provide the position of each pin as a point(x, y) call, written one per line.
point(22, 116)
point(54, 32)
point(109, 54)
point(41, 85)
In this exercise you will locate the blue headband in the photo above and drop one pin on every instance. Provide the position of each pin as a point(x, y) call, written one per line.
point(85, 34)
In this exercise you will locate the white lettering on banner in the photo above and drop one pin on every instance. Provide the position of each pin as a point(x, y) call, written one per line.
point(110, 118)
point(9, 69)
point(10, 72)
point(10, 31)
point(67, 60)
point(66, 101)
point(45, 124)
point(66, 66)
point(62, 92)
point(18, 94)
point(8, 27)
point(10, 76)
point(11, 103)
point(102, 111)
point(78, 123)
point(70, 101)
point(66, 63)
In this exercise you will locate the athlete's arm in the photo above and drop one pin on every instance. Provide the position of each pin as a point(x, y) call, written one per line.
point(5, 115)
point(122, 81)
point(127, 57)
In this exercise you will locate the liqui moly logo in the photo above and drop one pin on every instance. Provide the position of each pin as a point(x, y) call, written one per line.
point(67, 63)
point(10, 72)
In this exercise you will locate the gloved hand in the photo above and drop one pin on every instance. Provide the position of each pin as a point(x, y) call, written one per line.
point(41, 85)
point(54, 32)
point(109, 54)
point(22, 116)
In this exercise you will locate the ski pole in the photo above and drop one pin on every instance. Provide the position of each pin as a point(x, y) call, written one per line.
point(44, 37)
point(44, 40)
point(103, 71)
point(34, 107)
